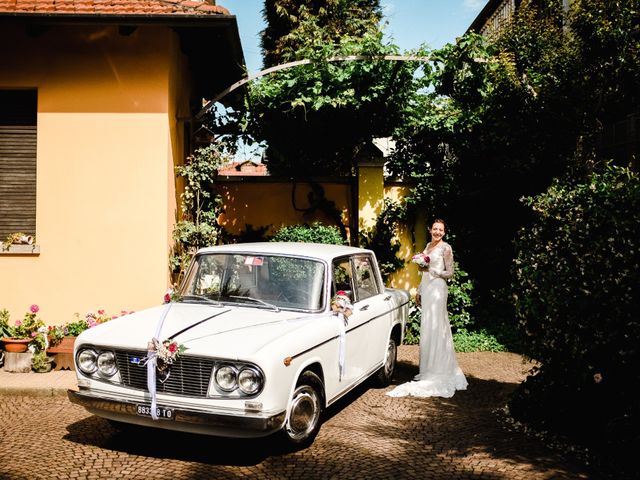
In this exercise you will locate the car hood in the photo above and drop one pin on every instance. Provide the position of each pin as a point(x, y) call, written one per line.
point(229, 332)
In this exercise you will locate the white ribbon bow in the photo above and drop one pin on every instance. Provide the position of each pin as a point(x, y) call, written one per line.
point(152, 363)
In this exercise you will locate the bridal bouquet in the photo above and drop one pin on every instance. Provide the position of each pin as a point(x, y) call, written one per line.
point(421, 260)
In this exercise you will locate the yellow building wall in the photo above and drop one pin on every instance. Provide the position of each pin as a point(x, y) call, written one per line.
point(371, 195)
point(408, 277)
point(259, 203)
point(105, 194)
point(262, 204)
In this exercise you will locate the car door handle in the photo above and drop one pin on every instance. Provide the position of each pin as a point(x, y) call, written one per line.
point(364, 308)
point(387, 298)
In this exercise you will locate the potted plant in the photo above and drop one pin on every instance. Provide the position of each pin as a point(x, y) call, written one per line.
point(17, 338)
point(41, 362)
point(62, 337)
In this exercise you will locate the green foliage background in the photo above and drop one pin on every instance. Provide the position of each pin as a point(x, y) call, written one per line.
point(576, 296)
point(314, 233)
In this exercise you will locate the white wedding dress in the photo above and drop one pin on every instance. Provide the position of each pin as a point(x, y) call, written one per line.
point(440, 375)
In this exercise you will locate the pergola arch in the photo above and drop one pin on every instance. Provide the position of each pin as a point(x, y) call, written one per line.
point(296, 63)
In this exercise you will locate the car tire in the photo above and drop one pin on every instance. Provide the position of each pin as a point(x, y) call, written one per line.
point(384, 376)
point(305, 412)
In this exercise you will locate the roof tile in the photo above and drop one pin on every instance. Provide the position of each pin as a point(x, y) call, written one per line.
point(116, 7)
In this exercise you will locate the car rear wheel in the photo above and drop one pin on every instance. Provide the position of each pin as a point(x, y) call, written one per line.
point(385, 374)
point(305, 411)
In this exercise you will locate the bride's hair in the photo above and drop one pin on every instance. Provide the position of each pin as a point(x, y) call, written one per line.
point(439, 220)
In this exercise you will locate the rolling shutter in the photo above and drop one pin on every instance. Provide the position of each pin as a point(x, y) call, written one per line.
point(18, 134)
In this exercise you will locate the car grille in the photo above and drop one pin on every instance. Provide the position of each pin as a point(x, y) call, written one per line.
point(190, 375)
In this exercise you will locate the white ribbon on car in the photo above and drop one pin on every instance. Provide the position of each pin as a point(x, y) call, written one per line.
point(342, 342)
point(151, 360)
point(152, 363)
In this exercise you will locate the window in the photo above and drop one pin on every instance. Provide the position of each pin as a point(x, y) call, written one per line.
point(364, 278)
point(342, 277)
point(18, 114)
point(366, 283)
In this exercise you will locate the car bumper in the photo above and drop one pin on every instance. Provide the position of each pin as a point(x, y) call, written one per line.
point(232, 423)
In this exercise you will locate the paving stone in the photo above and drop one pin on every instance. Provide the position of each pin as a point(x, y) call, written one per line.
point(365, 435)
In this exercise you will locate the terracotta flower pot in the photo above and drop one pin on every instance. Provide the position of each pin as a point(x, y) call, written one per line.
point(63, 353)
point(16, 345)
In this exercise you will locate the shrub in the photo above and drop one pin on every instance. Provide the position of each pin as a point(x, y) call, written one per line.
point(478, 341)
point(576, 298)
point(314, 233)
point(459, 302)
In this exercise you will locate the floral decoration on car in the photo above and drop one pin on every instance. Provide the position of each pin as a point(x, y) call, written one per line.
point(341, 303)
point(167, 352)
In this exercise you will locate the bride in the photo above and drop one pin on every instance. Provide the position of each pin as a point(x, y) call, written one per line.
point(440, 375)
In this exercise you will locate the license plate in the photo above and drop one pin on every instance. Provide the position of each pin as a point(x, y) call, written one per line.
point(161, 412)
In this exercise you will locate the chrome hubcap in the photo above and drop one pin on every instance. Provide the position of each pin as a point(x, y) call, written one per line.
point(304, 413)
point(390, 363)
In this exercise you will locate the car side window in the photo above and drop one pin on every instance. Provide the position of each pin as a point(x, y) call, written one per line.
point(342, 277)
point(366, 284)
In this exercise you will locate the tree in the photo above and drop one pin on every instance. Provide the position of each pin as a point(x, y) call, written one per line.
point(291, 24)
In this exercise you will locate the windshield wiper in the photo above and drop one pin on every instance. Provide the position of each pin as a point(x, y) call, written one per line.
point(257, 300)
point(201, 298)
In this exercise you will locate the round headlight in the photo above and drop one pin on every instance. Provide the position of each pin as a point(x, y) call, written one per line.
point(249, 381)
point(107, 364)
point(226, 378)
point(87, 361)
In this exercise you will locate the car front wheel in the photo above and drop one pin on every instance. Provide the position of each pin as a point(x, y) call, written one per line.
point(385, 374)
point(305, 411)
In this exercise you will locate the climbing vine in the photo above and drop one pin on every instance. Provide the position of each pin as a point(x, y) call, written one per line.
point(200, 207)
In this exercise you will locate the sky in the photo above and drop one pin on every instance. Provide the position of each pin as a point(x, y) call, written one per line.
point(410, 23)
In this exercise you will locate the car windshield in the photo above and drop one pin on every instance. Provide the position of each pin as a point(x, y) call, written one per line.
point(262, 281)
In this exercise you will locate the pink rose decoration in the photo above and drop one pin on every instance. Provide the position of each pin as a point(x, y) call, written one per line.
point(18, 323)
point(34, 308)
point(173, 347)
point(100, 312)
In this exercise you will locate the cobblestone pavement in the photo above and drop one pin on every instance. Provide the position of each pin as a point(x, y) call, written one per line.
point(368, 435)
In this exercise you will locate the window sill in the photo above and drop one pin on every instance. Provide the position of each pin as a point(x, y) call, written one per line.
point(31, 250)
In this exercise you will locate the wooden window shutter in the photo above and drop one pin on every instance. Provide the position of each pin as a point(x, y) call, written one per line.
point(18, 135)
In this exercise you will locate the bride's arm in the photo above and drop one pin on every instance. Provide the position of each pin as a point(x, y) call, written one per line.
point(447, 273)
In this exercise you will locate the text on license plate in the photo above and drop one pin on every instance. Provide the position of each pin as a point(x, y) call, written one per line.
point(161, 412)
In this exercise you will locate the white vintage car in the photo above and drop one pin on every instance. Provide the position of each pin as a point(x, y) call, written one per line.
point(265, 350)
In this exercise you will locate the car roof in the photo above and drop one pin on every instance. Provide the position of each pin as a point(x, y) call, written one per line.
point(316, 250)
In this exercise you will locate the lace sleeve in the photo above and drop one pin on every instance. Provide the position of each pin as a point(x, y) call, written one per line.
point(447, 273)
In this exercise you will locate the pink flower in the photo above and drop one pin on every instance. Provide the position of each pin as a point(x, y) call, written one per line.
point(100, 312)
point(34, 334)
point(114, 317)
point(18, 323)
point(173, 347)
point(34, 308)
point(342, 293)
point(167, 297)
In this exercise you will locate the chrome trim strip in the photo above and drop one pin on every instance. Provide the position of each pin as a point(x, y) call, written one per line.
point(351, 330)
point(351, 386)
point(314, 347)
